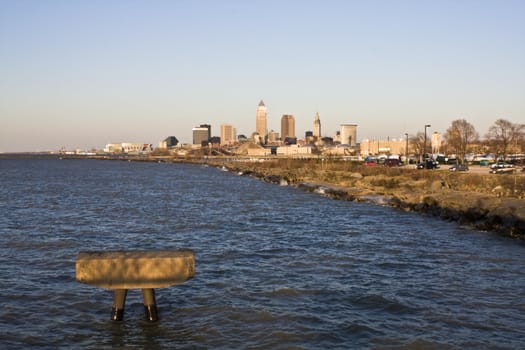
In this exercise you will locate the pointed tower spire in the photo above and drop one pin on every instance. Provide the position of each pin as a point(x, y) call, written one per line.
point(261, 122)
point(317, 126)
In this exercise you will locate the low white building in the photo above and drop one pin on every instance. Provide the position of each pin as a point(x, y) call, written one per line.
point(127, 147)
point(294, 150)
point(339, 150)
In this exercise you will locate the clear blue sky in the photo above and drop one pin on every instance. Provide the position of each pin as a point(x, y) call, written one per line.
point(80, 74)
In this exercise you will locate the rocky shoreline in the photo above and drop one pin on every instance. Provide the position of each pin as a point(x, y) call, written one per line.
point(487, 212)
point(494, 203)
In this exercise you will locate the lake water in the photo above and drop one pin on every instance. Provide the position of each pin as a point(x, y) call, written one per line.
point(276, 267)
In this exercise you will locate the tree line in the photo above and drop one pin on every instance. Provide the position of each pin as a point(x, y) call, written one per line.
point(503, 138)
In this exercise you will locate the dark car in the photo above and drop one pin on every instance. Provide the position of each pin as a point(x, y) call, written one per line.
point(458, 167)
point(392, 162)
point(428, 164)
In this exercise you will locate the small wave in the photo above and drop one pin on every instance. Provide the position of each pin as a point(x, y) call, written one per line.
point(376, 199)
point(417, 344)
point(355, 327)
point(285, 292)
point(375, 301)
point(321, 190)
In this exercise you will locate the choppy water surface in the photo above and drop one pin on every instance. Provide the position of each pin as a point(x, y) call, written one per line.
point(276, 267)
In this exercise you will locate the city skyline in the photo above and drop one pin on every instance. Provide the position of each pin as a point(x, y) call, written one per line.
point(84, 74)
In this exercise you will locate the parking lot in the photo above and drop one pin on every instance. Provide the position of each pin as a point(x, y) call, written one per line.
point(476, 169)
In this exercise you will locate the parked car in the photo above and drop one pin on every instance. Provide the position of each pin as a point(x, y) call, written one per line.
point(391, 162)
point(370, 161)
point(458, 167)
point(428, 164)
point(501, 168)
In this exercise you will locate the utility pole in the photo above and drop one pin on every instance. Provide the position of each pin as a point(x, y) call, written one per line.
point(406, 148)
point(425, 141)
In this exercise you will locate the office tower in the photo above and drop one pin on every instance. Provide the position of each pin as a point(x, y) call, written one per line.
point(261, 122)
point(201, 133)
point(227, 134)
point(348, 134)
point(317, 126)
point(287, 126)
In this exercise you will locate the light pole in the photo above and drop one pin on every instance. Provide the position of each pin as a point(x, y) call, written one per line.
point(406, 148)
point(425, 141)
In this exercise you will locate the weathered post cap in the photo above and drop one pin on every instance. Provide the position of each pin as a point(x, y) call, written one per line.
point(135, 269)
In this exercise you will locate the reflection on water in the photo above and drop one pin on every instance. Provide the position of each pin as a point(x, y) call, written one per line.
point(275, 267)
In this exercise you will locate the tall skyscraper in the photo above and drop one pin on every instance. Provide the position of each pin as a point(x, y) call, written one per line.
point(348, 134)
point(317, 126)
point(261, 122)
point(227, 134)
point(287, 126)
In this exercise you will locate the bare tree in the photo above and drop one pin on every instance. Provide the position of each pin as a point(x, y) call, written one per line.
point(460, 136)
point(417, 141)
point(505, 134)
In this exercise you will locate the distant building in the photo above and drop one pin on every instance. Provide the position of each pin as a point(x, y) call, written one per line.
point(113, 148)
point(128, 147)
point(348, 134)
point(309, 137)
point(290, 140)
point(436, 142)
point(327, 140)
point(169, 142)
point(242, 138)
point(317, 127)
point(215, 141)
point(228, 136)
point(338, 150)
point(201, 134)
point(294, 150)
point(252, 149)
point(287, 126)
point(261, 122)
point(388, 146)
point(257, 138)
point(273, 137)
point(337, 137)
